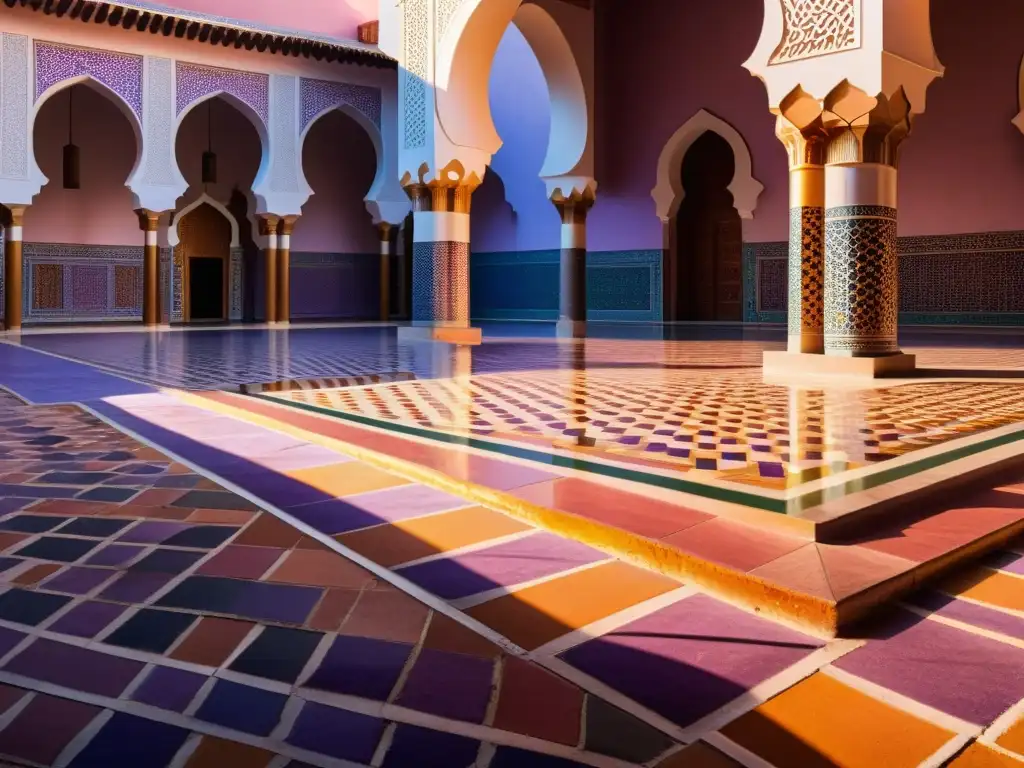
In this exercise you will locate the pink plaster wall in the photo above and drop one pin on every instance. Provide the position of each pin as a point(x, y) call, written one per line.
point(101, 211)
point(339, 161)
point(661, 61)
point(333, 18)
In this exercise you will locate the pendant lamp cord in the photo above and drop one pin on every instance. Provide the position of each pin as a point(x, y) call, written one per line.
point(71, 112)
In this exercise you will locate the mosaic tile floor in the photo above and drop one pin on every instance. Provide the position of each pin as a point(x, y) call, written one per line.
point(727, 426)
point(515, 647)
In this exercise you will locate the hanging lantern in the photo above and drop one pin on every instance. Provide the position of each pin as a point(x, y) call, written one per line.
point(209, 156)
point(72, 156)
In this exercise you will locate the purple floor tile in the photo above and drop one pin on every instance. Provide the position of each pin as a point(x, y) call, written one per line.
point(504, 565)
point(8, 639)
point(153, 531)
point(689, 659)
point(87, 619)
point(970, 613)
point(78, 580)
point(275, 602)
point(448, 684)
point(114, 554)
point(425, 748)
point(336, 732)
point(74, 667)
point(50, 492)
point(404, 502)
point(361, 666)
point(968, 676)
point(135, 586)
point(127, 741)
point(6, 563)
point(252, 710)
point(334, 516)
point(1010, 562)
point(169, 688)
point(8, 505)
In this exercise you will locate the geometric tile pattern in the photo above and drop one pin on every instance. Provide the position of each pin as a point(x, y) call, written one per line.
point(806, 268)
point(861, 280)
point(440, 282)
point(726, 426)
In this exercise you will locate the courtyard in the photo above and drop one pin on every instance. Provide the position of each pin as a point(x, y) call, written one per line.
point(325, 547)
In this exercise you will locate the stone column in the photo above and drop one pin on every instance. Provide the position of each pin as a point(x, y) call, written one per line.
point(149, 223)
point(572, 284)
point(384, 230)
point(806, 149)
point(268, 228)
point(861, 261)
point(284, 268)
point(440, 263)
point(13, 216)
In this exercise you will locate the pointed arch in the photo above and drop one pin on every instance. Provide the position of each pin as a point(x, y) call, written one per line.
point(203, 199)
point(371, 130)
point(668, 193)
point(107, 92)
point(250, 114)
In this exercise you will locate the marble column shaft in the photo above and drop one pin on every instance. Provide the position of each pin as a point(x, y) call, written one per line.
point(13, 217)
point(268, 228)
point(384, 230)
point(805, 321)
point(149, 222)
point(440, 266)
point(284, 268)
point(572, 285)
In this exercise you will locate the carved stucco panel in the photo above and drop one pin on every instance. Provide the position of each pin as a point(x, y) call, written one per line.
point(284, 172)
point(14, 98)
point(319, 96)
point(120, 72)
point(194, 81)
point(416, 52)
point(158, 122)
point(816, 28)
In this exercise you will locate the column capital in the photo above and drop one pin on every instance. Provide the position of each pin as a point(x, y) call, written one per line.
point(12, 215)
point(384, 231)
point(268, 224)
point(453, 195)
point(286, 225)
point(805, 141)
point(863, 128)
point(574, 208)
point(881, 47)
point(149, 221)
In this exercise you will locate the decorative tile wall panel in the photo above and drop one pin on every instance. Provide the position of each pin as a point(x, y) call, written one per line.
point(82, 283)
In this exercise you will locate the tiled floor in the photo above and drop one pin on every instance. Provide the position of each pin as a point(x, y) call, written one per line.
point(310, 607)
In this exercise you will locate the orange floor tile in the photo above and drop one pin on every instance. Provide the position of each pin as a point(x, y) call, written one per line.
point(1013, 739)
point(410, 540)
point(347, 478)
point(821, 722)
point(980, 756)
point(996, 589)
point(536, 615)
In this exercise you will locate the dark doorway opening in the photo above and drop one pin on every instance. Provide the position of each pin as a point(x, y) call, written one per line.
point(206, 289)
point(709, 236)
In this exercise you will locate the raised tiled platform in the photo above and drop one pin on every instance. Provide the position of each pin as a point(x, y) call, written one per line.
point(777, 569)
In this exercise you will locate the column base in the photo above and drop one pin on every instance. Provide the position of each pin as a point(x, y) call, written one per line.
point(571, 329)
point(806, 343)
point(791, 365)
point(448, 334)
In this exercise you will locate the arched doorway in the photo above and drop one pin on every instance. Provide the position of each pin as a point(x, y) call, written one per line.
point(204, 251)
point(709, 235)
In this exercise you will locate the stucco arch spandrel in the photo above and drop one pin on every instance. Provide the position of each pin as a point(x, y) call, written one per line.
point(668, 194)
point(203, 199)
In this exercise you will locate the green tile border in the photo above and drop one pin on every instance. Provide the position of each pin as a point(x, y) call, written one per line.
point(791, 506)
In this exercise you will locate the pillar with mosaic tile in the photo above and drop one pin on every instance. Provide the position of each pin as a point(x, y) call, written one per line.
point(149, 223)
point(285, 228)
point(799, 128)
point(269, 225)
point(440, 259)
point(573, 206)
point(853, 77)
point(13, 221)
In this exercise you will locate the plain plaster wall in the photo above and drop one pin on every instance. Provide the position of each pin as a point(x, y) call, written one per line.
point(962, 169)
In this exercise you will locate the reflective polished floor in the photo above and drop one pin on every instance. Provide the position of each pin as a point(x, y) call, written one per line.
point(206, 578)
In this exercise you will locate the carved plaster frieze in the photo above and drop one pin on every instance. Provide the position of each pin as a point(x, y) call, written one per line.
point(320, 96)
point(193, 82)
point(119, 72)
point(817, 28)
